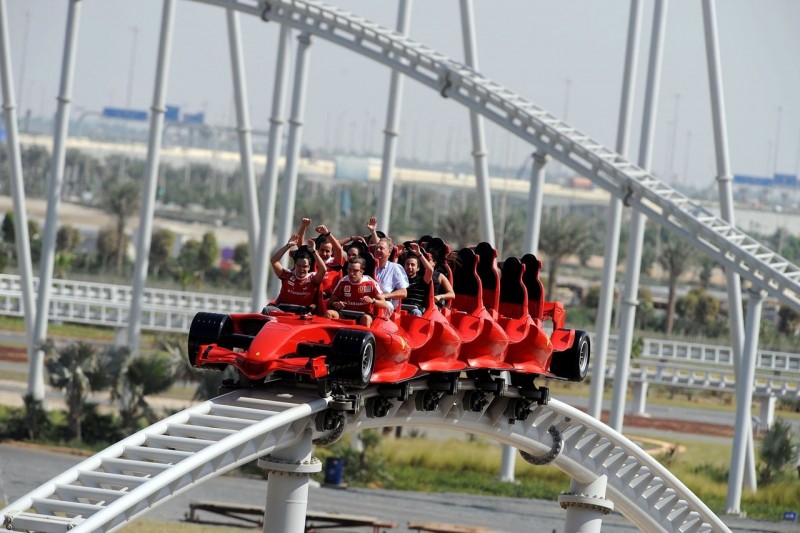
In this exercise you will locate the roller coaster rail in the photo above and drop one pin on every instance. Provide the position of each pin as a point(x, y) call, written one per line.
point(767, 270)
point(121, 483)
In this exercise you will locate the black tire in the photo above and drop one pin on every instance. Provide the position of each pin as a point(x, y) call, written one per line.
point(352, 358)
point(573, 363)
point(208, 328)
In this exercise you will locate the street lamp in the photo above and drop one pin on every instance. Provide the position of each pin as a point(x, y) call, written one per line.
point(132, 65)
point(21, 81)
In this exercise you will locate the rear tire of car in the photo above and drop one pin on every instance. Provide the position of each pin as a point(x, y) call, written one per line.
point(352, 358)
point(209, 328)
point(573, 363)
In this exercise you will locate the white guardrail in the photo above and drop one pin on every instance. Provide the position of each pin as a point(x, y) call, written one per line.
point(105, 304)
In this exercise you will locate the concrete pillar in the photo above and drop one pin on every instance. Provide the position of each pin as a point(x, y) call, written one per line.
point(767, 414)
point(289, 471)
point(586, 505)
point(120, 337)
point(640, 398)
point(507, 464)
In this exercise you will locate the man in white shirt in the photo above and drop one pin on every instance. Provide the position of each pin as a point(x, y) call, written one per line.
point(391, 276)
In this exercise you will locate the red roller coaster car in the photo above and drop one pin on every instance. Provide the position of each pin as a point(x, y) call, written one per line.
point(496, 324)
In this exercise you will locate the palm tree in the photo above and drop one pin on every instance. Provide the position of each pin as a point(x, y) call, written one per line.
point(777, 449)
point(77, 370)
point(137, 378)
point(675, 257)
point(459, 227)
point(208, 381)
point(562, 236)
point(161, 246)
point(121, 200)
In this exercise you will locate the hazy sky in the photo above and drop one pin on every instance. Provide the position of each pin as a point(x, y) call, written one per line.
point(566, 57)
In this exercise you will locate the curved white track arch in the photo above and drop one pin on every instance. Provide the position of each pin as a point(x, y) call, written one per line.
point(150, 467)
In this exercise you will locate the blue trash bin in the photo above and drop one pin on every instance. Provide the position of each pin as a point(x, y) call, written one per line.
point(334, 470)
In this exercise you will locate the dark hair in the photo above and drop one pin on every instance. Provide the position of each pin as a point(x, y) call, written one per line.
point(408, 256)
point(303, 252)
point(320, 240)
point(358, 260)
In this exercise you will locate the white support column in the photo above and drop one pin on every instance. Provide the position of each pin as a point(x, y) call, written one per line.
point(535, 199)
point(391, 133)
point(767, 414)
point(151, 176)
point(724, 178)
point(638, 220)
point(507, 464)
point(36, 375)
point(244, 130)
point(476, 121)
point(260, 263)
point(289, 471)
point(614, 224)
point(744, 398)
point(289, 188)
point(586, 505)
point(54, 184)
point(640, 398)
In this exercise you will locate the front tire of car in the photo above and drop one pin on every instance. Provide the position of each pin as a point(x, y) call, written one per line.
point(573, 363)
point(352, 358)
point(208, 328)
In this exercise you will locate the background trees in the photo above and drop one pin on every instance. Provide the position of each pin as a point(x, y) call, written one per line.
point(571, 235)
point(676, 258)
point(121, 200)
point(76, 370)
point(562, 235)
point(777, 450)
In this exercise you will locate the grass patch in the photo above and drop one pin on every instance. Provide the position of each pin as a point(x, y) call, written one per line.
point(148, 526)
point(471, 466)
point(178, 391)
point(13, 375)
point(75, 331)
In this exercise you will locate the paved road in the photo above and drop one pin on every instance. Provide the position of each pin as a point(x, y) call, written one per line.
point(22, 469)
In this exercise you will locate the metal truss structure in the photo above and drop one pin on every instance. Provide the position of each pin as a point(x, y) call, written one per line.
point(148, 468)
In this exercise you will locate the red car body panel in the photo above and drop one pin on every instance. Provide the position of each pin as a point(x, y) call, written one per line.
point(485, 342)
point(435, 342)
point(274, 347)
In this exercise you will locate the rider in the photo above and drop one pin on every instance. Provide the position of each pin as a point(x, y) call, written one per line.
point(419, 284)
point(299, 286)
point(357, 292)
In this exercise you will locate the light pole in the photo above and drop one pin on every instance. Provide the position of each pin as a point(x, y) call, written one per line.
point(132, 65)
point(777, 140)
point(21, 81)
point(673, 145)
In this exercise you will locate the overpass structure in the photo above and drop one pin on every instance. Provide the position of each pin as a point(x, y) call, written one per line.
point(151, 466)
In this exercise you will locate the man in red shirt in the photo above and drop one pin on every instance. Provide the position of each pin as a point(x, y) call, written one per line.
point(357, 292)
point(300, 285)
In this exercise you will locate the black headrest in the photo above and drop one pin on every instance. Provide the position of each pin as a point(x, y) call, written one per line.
point(465, 279)
point(510, 281)
point(486, 266)
point(531, 275)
